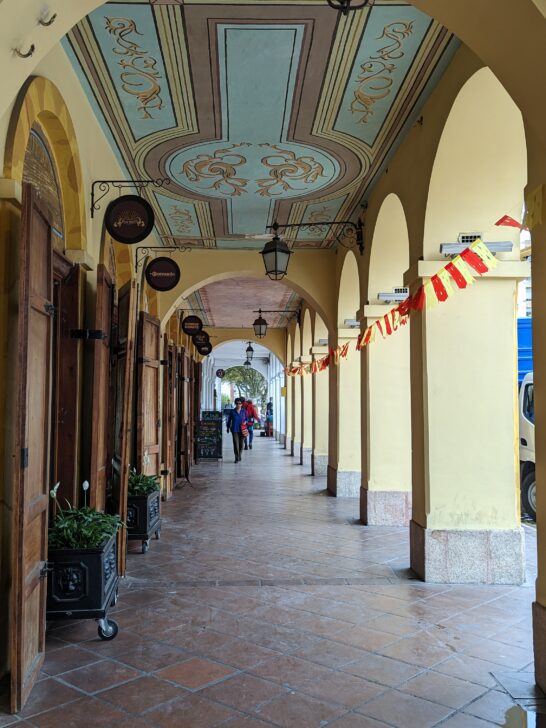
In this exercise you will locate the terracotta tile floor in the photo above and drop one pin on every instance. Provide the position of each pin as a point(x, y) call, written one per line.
point(266, 603)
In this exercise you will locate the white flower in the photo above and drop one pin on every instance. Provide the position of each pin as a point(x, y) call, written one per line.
point(53, 491)
point(85, 485)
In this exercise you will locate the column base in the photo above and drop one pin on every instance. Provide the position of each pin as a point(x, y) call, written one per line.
point(343, 483)
point(468, 557)
point(306, 458)
point(539, 641)
point(282, 439)
point(385, 507)
point(319, 464)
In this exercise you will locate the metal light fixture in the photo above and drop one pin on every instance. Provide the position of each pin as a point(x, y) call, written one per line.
point(276, 256)
point(247, 363)
point(260, 326)
point(249, 351)
point(343, 6)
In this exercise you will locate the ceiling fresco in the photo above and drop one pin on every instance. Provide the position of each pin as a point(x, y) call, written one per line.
point(256, 112)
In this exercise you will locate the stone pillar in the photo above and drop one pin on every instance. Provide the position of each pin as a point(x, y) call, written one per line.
point(466, 516)
point(288, 402)
point(282, 408)
point(296, 414)
point(319, 458)
point(385, 495)
point(306, 416)
point(344, 471)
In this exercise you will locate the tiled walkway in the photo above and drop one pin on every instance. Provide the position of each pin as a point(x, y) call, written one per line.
point(266, 603)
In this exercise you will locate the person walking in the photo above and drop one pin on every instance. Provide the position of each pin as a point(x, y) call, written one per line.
point(252, 418)
point(269, 419)
point(236, 424)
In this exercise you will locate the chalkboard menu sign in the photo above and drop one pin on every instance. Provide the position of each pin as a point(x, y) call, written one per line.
point(209, 440)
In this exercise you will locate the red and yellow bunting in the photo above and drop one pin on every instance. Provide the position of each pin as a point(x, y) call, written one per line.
point(458, 273)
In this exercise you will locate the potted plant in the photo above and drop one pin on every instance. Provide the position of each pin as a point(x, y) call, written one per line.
point(143, 508)
point(82, 564)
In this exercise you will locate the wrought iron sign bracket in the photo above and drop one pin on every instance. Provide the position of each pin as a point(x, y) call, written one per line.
point(356, 230)
point(143, 251)
point(101, 187)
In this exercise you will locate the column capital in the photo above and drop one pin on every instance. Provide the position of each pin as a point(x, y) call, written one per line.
point(424, 269)
point(373, 312)
point(305, 360)
point(10, 189)
point(318, 351)
point(344, 335)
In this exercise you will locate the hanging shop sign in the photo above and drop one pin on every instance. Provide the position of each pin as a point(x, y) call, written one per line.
point(162, 274)
point(220, 373)
point(205, 349)
point(191, 325)
point(201, 338)
point(129, 219)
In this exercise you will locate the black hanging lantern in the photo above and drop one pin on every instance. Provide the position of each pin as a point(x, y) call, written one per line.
point(249, 351)
point(343, 6)
point(260, 326)
point(276, 256)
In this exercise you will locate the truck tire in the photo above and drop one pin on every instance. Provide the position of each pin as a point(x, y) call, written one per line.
point(529, 495)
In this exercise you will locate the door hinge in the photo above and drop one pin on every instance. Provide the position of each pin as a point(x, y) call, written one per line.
point(24, 457)
point(49, 308)
point(88, 334)
point(46, 568)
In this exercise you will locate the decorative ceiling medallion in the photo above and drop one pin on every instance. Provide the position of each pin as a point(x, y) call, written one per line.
point(129, 219)
point(162, 274)
point(192, 325)
point(220, 167)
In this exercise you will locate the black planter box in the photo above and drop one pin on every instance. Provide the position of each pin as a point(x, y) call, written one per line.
point(144, 517)
point(82, 583)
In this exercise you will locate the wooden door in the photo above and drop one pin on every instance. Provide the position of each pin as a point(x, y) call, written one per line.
point(197, 369)
point(101, 440)
point(169, 420)
point(123, 411)
point(68, 283)
point(31, 456)
point(148, 420)
point(180, 447)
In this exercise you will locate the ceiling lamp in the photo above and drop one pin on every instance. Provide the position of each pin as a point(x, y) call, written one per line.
point(249, 351)
point(276, 255)
point(260, 326)
point(343, 6)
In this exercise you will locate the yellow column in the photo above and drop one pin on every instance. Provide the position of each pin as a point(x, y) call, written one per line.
point(344, 463)
point(289, 384)
point(306, 416)
point(539, 380)
point(385, 496)
point(319, 391)
point(466, 518)
point(296, 414)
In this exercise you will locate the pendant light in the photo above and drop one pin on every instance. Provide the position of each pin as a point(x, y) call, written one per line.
point(260, 326)
point(276, 256)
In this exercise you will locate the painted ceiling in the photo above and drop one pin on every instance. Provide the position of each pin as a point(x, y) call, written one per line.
point(232, 303)
point(256, 111)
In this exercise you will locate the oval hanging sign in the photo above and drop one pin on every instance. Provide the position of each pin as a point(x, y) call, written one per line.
point(129, 219)
point(191, 325)
point(201, 338)
point(162, 274)
point(205, 349)
point(220, 373)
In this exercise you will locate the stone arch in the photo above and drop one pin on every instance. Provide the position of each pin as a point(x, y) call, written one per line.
point(480, 168)
point(40, 103)
point(389, 254)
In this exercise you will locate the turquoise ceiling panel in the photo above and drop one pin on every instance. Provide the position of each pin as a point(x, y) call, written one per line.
point(128, 40)
point(315, 214)
point(388, 46)
point(180, 216)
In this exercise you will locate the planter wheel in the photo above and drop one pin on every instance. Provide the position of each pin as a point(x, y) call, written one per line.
point(107, 629)
point(145, 546)
point(157, 535)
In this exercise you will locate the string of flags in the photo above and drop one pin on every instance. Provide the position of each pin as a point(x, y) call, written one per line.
point(460, 272)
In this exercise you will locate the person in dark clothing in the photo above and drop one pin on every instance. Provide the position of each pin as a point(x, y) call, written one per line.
point(236, 418)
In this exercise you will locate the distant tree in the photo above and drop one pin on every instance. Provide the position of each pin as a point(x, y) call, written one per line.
point(249, 382)
point(225, 400)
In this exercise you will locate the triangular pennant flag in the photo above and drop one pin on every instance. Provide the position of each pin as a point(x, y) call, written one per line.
point(444, 276)
point(439, 288)
point(474, 261)
point(430, 295)
point(481, 249)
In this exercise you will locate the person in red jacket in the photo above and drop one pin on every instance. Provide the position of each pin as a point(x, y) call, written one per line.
point(251, 419)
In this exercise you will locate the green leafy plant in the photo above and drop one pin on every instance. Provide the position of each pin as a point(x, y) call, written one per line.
point(140, 484)
point(80, 528)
